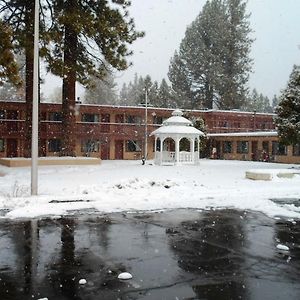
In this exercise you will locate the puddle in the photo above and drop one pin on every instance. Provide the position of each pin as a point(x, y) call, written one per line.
point(182, 254)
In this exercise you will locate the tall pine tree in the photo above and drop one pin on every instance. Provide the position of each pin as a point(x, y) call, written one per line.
point(213, 64)
point(288, 110)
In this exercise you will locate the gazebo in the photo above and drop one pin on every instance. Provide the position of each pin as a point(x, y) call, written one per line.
point(177, 141)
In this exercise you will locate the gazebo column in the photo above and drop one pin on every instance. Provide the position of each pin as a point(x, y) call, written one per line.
point(192, 149)
point(155, 147)
point(161, 151)
point(177, 150)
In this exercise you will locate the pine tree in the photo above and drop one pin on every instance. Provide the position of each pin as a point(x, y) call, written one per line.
point(288, 110)
point(9, 70)
point(19, 15)
point(181, 83)
point(123, 97)
point(213, 63)
point(235, 50)
point(85, 36)
point(101, 91)
point(275, 102)
point(164, 96)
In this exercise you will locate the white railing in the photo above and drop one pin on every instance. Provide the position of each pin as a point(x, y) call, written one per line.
point(170, 157)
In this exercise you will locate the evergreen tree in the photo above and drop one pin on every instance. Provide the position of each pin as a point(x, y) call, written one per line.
point(164, 96)
point(181, 83)
point(257, 102)
point(288, 110)
point(19, 15)
point(275, 102)
point(235, 50)
point(84, 37)
point(123, 97)
point(213, 63)
point(9, 70)
point(101, 91)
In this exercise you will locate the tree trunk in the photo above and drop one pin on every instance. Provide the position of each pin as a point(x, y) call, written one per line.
point(69, 83)
point(29, 76)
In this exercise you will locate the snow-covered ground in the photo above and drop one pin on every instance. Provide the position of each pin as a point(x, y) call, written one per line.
point(117, 186)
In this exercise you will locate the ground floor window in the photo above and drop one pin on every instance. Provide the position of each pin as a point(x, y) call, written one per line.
point(265, 146)
point(242, 147)
point(133, 146)
point(278, 149)
point(88, 146)
point(227, 147)
point(54, 145)
point(1, 145)
point(296, 150)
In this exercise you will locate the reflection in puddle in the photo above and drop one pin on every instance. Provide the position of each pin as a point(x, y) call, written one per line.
point(181, 254)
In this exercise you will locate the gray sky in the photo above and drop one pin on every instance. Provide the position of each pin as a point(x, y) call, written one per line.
point(275, 23)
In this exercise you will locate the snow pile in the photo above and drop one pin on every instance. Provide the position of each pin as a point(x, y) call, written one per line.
point(116, 186)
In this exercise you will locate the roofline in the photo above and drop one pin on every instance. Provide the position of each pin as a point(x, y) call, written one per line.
point(248, 133)
point(154, 108)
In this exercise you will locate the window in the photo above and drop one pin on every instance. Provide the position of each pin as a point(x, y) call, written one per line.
point(157, 120)
point(133, 146)
point(54, 145)
point(105, 118)
point(2, 114)
point(1, 145)
point(265, 146)
point(278, 149)
point(242, 147)
point(55, 116)
point(223, 124)
point(119, 118)
point(227, 147)
point(133, 119)
point(88, 146)
point(91, 118)
point(296, 150)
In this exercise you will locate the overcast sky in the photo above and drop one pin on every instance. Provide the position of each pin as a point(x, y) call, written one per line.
point(275, 25)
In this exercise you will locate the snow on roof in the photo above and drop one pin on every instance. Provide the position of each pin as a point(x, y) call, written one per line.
point(177, 124)
point(184, 130)
point(253, 133)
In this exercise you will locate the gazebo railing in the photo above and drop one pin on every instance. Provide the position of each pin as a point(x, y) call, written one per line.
point(169, 157)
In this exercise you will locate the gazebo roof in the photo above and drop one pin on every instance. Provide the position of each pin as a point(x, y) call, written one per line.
point(177, 125)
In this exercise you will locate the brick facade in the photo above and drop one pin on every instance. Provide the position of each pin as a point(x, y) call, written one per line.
point(118, 132)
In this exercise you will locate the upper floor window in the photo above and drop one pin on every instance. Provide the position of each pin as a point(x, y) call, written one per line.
point(242, 147)
point(119, 118)
point(105, 118)
point(223, 124)
point(133, 119)
point(2, 114)
point(92, 118)
point(157, 120)
point(55, 116)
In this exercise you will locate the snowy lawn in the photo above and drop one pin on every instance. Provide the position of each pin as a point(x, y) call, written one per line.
point(117, 186)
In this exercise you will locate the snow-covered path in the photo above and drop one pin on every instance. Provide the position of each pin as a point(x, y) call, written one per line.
point(129, 186)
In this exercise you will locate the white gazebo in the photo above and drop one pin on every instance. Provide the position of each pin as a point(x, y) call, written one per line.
point(177, 141)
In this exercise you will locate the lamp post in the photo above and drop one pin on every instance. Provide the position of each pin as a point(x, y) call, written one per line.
point(146, 124)
point(35, 112)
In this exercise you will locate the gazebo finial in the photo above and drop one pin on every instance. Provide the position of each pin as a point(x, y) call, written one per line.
point(177, 112)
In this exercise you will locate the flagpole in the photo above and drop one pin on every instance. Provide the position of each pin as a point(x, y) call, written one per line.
point(35, 103)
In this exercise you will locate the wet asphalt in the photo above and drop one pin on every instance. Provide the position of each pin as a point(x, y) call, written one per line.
point(180, 254)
